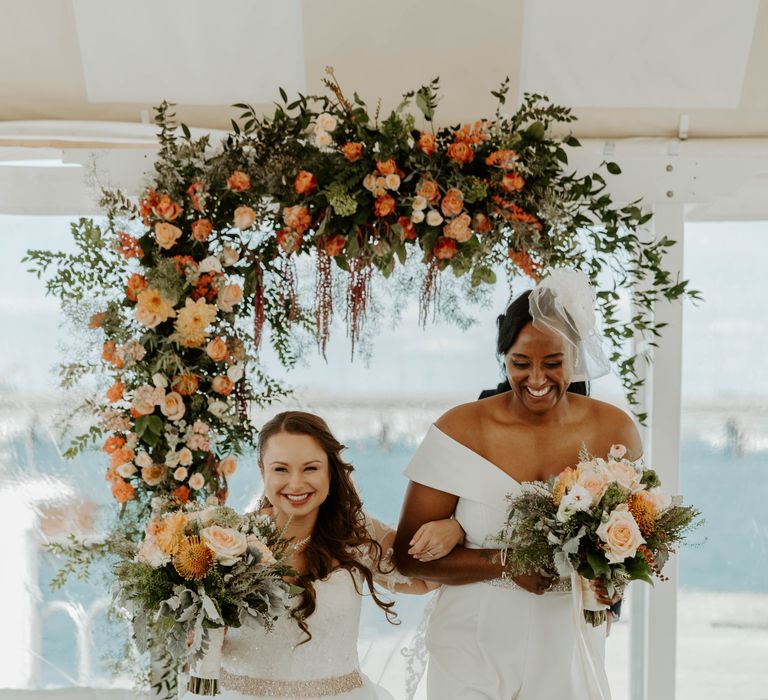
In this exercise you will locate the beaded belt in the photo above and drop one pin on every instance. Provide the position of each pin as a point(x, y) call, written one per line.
point(561, 585)
point(263, 687)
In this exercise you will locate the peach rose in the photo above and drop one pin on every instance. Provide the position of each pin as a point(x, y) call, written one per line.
point(185, 456)
point(222, 384)
point(481, 223)
point(595, 482)
point(386, 167)
point(460, 152)
point(196, 481)
point(620, 534)
point(428, 189)
point(226, 543)
point(228, 297)
point(143, 460)
point(385, 205)
point(417, 216)
point(227, 466)
point(392, 181)
point(305, 182)
point(453, 202)
point(180, 473)
point(122, 491)
point(115, 392)
point(166, 235)
point(245, 217)
point(239, 181)
point(434, 218)
point(126, 470)
point(512, 182)
point(217, 349)
point(352, 151)
point(427, 143)
point(458, 228)
point(445, 248)
point(172, 406)
point(625, 474)
point(136, 283)
point(201, 229)
point(153, 474)
point(166, 208)
point(145, 398)
point(229, 256)
point(297, 218)
point(288, 240)
point(369, 182)
point(334, 245)
point(256, 545)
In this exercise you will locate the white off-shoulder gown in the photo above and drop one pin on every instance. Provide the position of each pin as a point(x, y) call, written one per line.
point(488, 641)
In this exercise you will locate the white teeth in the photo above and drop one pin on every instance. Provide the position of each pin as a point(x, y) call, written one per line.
point(539, 392)
point(292, 497)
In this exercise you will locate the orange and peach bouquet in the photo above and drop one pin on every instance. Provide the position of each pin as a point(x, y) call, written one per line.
point(199, 570)
point(604, 519)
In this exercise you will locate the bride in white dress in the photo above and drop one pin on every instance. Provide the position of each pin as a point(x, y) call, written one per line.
point(339, 552)
point(491, 636)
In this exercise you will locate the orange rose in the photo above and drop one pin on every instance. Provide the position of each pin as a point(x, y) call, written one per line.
point(334, 245)
point(239, 181)
point(112, 443)
point(146, 205)
point(153, 474)
point(481, 223)
point(181, 494)
point(458, 228)
point(445, 248)
point(110, 354)
point(121, 455)
point(386, 167)
point(217, 350)
point(460, 152)
point(194, 191)
point(297, 218)
point(409, 228)
point(166, 208)
point(201, 229)
point(185, 383)
point(227, 466)
point(128, 246)
point(428, 189)
point(122, 491)
point(166, 235)
point(115, 392)
point(352, 151)
point(244, 217)
point(524, 262)
point(222, 384)
point(385, 205)
point(136, 283)
point(453, 202)
point(288, 240)
point(512, 182)
point(502, 159)
point(427, 143)
point(305, 182)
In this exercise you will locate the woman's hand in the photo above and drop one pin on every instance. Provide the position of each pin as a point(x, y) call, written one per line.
point(435, 539)
point(601, 593)
point(534, 583)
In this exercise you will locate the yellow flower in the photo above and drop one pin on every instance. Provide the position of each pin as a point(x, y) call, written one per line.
point(565, 479)
point(643, 510)
point(170, 532)
point(193, 559)
point(152, 308)
point(192, 322)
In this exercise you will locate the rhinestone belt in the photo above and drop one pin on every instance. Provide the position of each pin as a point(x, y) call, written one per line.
point(263, 687)
point(562, 585)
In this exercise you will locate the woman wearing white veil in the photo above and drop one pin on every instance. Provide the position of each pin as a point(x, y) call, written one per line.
point(491, 635)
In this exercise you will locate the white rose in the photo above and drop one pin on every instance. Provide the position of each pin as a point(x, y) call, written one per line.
point(434, 218)
point(244, 217)
point(229, 256)
point(143, 460)
point(419, 202)
point(235, 373)
point(150, 553)
point(217, 408)
point(131, 440)
point(171, 459)
point(185, 457)
point(126, 470)
point(617, 451)
point(417, 216)
point(196, 481)
point(625, 474)
point(392, 181)
point(661, 500)
point(159, 381)
point(323, 139)
point(577, 499)
point(229, 296)
point(225, 543)
point(620, 534)
point(180, 474)
point(369, 182)
point(210, 264)
point(326, 122)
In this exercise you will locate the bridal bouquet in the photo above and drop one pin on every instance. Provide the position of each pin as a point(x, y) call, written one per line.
point(602, 519)
point(196, 572)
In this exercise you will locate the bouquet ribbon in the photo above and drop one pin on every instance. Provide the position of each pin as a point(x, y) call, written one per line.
point(594, 673)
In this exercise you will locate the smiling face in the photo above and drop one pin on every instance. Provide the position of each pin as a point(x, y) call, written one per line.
point(539, 367)
point(296, 475)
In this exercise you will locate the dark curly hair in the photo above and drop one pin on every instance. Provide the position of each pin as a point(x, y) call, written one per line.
point(340, 530)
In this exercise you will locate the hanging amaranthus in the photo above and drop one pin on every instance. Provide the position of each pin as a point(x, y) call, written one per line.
point(323, 297)
point(358, 296)
point(430, 288)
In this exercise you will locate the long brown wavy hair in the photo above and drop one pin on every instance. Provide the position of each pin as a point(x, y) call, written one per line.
point(340, 530)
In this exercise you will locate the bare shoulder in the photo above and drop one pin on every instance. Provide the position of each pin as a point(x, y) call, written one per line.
point(460, 422)
point(617, 426)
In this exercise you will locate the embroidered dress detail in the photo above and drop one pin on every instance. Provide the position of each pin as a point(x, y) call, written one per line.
point(269, 688)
